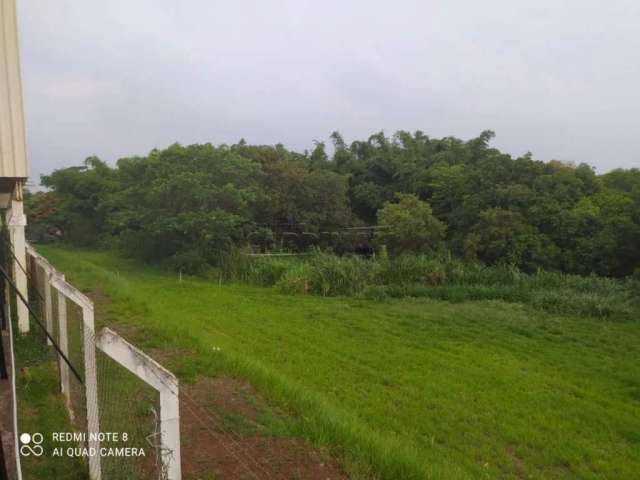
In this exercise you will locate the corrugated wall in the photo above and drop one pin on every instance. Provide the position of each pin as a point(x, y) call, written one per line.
point(13, 161)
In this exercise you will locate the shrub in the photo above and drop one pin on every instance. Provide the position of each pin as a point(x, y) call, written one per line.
point(188, 261)
point(295, 281)
point(263, 271)
point(408, 269)
point(410, 226)
point(267, 272)
point(329, 275)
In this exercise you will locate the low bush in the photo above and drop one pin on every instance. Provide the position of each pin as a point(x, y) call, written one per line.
point(409, 269)
point(239, 266)
point(296, 280)
point(266, 272)
point(329, 275)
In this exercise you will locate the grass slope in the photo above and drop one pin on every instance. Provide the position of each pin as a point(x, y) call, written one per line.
point(409, 388)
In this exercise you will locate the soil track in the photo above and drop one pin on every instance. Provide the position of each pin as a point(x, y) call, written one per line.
point(210, 449)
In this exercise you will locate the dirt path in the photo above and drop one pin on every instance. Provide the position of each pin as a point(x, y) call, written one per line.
point(221, 439)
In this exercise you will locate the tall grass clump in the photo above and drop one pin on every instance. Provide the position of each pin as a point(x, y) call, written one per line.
point(239, 266)
point(440, 277)
point(421, 269)
point(329, 275)
point(553, 292)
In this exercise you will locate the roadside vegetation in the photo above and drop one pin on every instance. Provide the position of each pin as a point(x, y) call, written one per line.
point(411, 388)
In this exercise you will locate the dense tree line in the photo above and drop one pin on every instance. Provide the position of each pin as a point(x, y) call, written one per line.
point(188, 205)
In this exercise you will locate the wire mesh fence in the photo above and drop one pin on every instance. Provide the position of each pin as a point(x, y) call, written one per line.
point(39, 409)
point(119, 391)
point(114, 426)
point(77, 401)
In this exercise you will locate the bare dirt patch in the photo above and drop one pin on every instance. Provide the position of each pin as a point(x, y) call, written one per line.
point(212, 449)
point(227, 394)
point(518, 463)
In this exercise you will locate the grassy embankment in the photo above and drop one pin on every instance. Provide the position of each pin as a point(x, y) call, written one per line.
point(407, 388)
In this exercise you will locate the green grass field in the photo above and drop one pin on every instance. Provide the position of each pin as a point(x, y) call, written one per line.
point(402, 388)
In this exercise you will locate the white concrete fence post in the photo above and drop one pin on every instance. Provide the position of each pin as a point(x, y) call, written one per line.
point(63, 341)
point(170, 432)
point(16, 222)
point(90, 370)
point(91, 389)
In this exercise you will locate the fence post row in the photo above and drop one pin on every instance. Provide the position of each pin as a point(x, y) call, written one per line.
point(16, 221)
point(121, 351)
point(54, 279)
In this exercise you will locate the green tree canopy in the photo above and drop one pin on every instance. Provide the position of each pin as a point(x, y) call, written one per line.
point(188, 204)
point(409, 225)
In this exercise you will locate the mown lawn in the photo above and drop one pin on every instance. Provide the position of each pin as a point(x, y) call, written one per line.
point(407, 388)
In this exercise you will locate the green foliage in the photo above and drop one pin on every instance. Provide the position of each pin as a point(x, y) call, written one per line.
point(186, 206)
point(329, 275)
point(617, 303)
point(440, 277)
point(422, 269)
point(81, 192)
point(44, 216)
point(504, 236)
point(409, 226)
point(41, 408)
point(262, 271)
point(450, 279)
point(296, 280)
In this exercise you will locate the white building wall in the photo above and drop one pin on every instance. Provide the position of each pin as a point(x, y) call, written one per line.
point(13, 160)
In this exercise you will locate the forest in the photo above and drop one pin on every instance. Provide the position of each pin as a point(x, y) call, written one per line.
point(187, 207)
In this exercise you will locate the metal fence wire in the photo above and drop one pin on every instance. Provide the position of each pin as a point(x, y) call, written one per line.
point(126, 407)
point(122, 414)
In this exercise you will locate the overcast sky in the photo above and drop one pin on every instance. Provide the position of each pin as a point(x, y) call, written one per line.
point(116, 78)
